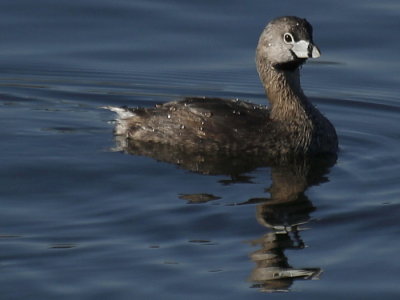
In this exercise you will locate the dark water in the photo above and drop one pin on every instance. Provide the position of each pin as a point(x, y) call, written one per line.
point(81, 221)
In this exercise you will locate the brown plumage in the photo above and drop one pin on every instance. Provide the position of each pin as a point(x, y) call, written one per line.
point(291, 125)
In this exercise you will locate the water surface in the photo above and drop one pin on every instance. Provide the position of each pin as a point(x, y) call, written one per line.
point(80, 220)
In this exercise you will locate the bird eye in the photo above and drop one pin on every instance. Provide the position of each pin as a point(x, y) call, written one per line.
point(288, 38)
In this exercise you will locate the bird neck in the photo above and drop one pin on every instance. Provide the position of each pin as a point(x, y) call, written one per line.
point(287, 100)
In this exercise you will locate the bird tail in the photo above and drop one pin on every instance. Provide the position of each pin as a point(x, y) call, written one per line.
point(123, 115)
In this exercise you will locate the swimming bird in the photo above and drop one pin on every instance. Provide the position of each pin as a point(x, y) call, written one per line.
point(291, 125)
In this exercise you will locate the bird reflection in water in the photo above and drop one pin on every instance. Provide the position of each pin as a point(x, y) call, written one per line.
point(284, 212)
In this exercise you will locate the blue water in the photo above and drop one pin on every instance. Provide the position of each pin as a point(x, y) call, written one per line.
point(80, 220)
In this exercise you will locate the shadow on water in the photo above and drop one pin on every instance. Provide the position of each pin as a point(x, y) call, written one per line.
point(284, 212)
